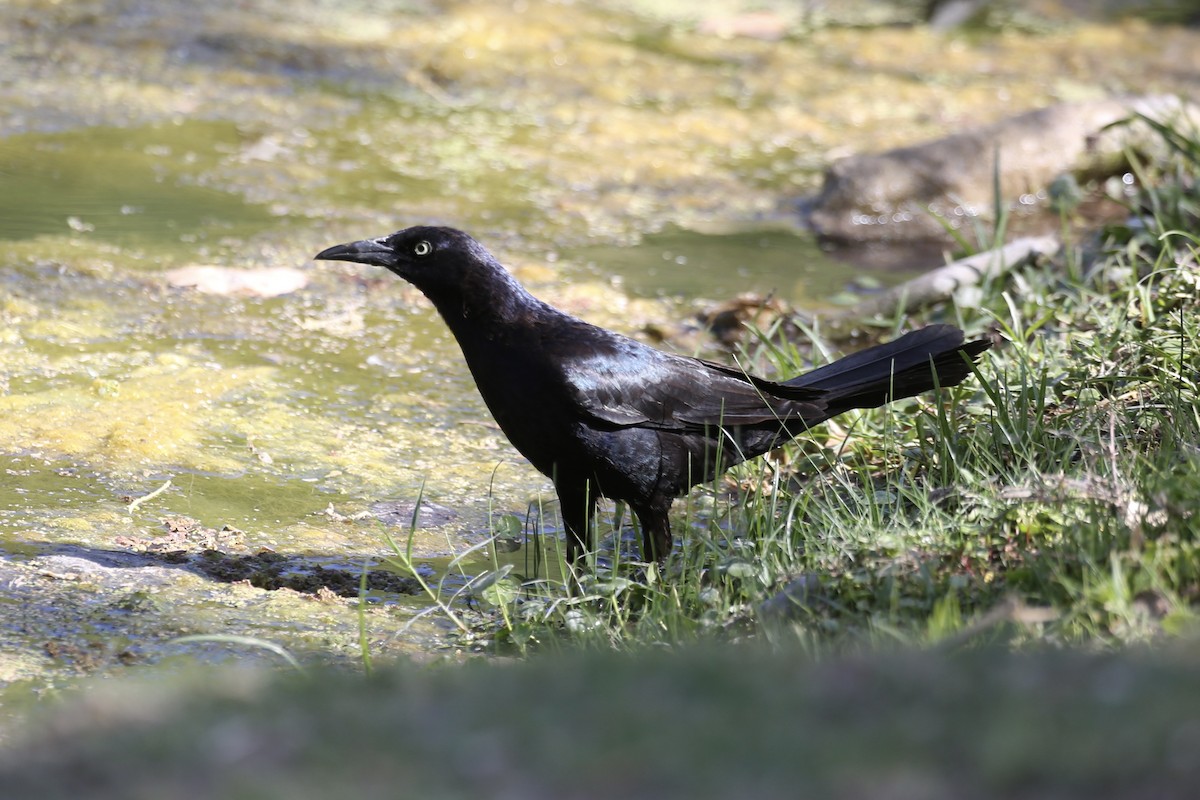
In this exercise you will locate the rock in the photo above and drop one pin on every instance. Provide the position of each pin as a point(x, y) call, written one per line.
point(801, 595)
point(890, 196)
point(400, 513)
point(266, 282)
point(946, 15)
point(768, 26)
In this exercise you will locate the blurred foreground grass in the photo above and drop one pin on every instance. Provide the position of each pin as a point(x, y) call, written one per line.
point(692, 722)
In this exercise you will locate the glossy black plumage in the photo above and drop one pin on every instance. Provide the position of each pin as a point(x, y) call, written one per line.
point(605, 415)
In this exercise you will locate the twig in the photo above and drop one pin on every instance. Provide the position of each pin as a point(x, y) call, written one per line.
point(941, 283)
point(138, 501)
point(1010, 609)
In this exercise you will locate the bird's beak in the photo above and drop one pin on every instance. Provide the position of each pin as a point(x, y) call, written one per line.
point(369, 251)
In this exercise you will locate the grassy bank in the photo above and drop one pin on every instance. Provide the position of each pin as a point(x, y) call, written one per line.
point(1049, 499)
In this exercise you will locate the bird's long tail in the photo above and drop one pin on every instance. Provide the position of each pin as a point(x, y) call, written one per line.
point(895, 370)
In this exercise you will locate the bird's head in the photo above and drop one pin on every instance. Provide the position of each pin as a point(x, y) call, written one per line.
point(425, 256)
point(457, 273)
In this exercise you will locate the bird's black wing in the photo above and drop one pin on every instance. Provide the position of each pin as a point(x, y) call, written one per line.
point(623, 383)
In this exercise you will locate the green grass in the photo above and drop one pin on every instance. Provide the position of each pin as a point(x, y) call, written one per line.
point(1049, 499)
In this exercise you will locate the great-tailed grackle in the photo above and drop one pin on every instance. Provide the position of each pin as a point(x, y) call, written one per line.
point(606, 416)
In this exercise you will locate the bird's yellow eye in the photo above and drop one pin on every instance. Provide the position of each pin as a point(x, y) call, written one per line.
point(422, 248)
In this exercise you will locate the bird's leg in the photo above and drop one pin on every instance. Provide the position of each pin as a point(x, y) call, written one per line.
point(577, 504)
point(656, 529)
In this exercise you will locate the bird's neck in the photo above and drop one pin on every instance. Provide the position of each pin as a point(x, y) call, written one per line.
point(488, 304)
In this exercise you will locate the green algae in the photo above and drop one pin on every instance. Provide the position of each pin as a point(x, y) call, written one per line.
point(151, 417)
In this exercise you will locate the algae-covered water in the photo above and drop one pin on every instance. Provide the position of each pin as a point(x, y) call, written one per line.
point(623, 159)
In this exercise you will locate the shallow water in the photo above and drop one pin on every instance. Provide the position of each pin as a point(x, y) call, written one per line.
point(784, 263)
point(132, 187)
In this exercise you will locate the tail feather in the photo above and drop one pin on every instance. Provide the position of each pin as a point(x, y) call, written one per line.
point(894, 370)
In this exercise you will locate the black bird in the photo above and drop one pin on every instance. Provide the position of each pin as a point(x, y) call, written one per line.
point(604, 415)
